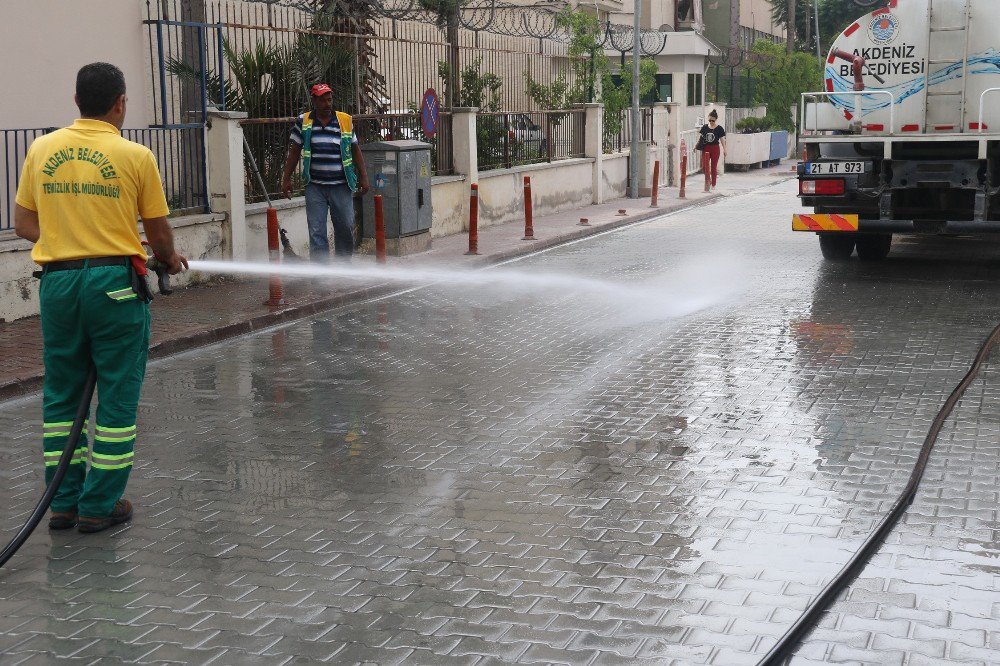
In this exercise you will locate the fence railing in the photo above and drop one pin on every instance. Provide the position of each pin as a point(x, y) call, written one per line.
point(506, 140)
point(268, 140)
point(618, 130)
point(179, 154)
point(13, 147)
point(690, 139)
point(399, 126)
point(218, 53)
point(736, 114)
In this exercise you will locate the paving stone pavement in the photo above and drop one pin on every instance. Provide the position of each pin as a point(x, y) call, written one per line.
point(219, 309)
point(660, 465)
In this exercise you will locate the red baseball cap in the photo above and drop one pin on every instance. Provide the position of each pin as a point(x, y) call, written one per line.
point(321, 89)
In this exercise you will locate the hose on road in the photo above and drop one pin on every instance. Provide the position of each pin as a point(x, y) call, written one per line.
point(812, 614)
point(64, 460)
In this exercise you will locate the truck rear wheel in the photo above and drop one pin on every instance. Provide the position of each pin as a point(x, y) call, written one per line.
point(874, 247)
point(836, 247)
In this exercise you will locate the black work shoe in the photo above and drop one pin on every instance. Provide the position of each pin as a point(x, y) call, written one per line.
point(120, 514)
point(62, 520)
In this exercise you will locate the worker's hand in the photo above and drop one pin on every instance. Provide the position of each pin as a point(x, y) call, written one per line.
point(286, 187)
point(363, 185)
point(176, 264)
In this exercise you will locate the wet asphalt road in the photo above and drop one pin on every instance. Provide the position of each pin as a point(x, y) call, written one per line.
point(664, 470)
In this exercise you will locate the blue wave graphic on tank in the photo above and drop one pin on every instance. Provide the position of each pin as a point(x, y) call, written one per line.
point(986, 62)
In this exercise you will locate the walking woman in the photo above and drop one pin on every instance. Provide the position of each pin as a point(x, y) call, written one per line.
point(713, 140)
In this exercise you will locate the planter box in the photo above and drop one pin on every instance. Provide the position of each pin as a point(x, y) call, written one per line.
point(746, 151)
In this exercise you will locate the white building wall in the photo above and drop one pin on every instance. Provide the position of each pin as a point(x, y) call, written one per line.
point(44, 42)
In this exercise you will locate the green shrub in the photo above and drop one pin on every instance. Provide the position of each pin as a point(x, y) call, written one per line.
point(752, 125)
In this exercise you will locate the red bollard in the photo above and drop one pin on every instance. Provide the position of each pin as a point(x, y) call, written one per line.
point(684, 169)
point(656, 184)
point(474, 220)
point(276, 294)
point(529, 230)
point(379, 231)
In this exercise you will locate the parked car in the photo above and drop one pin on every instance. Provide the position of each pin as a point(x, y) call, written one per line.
point(529, 135)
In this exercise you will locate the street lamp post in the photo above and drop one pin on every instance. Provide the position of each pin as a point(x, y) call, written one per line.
point(634, 144)
point(819, 48)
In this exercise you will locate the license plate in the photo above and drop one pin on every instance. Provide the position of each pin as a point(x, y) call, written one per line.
point(835, 168)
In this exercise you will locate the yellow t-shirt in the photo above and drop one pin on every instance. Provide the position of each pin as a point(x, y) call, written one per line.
point(87, 183)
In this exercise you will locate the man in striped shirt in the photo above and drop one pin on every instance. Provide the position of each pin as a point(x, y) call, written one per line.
point(333, 168)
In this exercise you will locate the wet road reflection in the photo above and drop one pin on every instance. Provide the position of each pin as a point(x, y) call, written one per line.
point(459, 474)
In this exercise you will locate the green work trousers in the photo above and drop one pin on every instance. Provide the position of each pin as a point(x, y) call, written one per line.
point(92, 316)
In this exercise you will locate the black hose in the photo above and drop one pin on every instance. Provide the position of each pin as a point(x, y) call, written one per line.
point(67, 456)
point(811, 616)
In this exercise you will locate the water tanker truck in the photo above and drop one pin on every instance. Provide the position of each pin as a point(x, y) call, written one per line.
point(905, 138)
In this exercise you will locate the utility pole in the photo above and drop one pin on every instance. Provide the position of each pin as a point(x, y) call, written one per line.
point(808, 37)
point(819, 46)
point(633, 159)
point(791, 26)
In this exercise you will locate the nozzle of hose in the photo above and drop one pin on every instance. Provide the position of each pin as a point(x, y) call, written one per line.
point(158, 266)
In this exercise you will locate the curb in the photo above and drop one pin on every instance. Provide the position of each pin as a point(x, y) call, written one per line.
point(185, 343)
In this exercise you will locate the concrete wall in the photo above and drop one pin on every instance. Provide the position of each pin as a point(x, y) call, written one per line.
point(291, 218)
point(556, 187)
point(614, 172)
point(450, 198)
point(196, 237)
point(44, 42)
point(18, 290)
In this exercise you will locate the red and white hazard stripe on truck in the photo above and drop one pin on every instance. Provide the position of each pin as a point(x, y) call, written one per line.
point(825, 223)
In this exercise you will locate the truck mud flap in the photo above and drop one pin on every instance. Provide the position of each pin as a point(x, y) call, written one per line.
point(824, 222)
point(852, 224)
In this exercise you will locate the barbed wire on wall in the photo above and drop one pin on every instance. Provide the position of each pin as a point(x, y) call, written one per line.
point(731, 57)
point(499, 17)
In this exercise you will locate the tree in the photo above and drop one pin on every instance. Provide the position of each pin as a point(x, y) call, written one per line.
point(446, 16)
point(593, 78)
point(834, 16)
point(354, 18)
point(781, 79)
point(790, 21)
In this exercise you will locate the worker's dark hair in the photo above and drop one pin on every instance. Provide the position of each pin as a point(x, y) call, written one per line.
point(98, 87)
point(714, 114)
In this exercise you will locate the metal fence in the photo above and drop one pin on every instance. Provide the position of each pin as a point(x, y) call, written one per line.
point(262, 57)
point(735, 115)
point(506, 140)
point(13, 147)
point(397, 126)
point(268, 140)
point(179, 154)
point(730, 86)
point(689, 139)
point(618, 129)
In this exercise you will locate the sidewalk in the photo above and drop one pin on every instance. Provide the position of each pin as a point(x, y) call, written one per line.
point(224, 309)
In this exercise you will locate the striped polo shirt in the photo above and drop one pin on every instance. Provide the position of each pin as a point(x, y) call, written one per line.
point(326, 166)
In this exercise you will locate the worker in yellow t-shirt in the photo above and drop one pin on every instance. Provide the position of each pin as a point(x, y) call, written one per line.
point(81, 190)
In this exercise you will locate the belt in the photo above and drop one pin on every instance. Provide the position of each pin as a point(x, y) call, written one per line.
point(77, 264)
